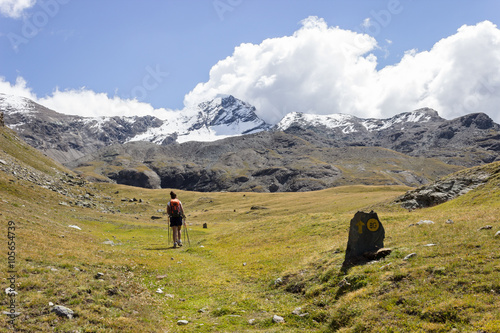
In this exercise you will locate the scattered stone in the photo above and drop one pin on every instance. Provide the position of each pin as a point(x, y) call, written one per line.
point(449, 221)
point(429, 245)
point(379, 254)
point(51, 304)
point(108, 242)
point(182, 322)
point(497, 234)
point(75, 227)
point(64, 203)
point(344, 283)
point(203, 310)
point(422, 222)
point(277, 319)
point(63, 311)
point(258, 208)
point(98, 276)
point(386, 266)
point(278, 281)
point(251, 322)
point(159, 291)
point(3, 162)
point(244, 264)
point(411, 255)
point(169, 295)
point(161, 277)
point(155, 217)
point(297, 311)
point(205, 226)
point(10, 292)
point(12, 314)
point(486, 227)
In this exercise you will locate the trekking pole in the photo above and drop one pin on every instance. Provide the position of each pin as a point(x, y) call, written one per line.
point(186, 230)
point(168, 239)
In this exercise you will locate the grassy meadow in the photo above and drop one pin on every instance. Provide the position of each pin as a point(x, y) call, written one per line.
point(262, 255)
point(229, 274)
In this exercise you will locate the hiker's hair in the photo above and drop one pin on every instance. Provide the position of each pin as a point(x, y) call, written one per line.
point(173, 195)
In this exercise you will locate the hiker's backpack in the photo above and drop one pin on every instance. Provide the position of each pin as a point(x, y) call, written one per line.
point(175, 208)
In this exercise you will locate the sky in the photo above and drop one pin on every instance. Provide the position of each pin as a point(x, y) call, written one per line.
point(368, 58)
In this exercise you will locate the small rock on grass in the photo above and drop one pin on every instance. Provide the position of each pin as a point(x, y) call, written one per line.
point(277, 319)
point(411, 255)
point(63, 311)
point(497, 234)
point(486, 227)
point(182, 322)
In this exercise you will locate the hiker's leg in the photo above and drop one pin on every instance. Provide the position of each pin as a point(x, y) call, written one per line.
point(179, 232)
point(174, 234)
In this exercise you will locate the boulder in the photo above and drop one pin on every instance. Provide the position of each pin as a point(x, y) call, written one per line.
point(366, 238)
point(133, 177)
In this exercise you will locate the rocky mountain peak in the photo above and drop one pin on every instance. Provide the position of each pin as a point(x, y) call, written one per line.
point(226, 110)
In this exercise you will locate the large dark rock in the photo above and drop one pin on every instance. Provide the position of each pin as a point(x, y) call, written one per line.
point(366, 237)
point(133, 177)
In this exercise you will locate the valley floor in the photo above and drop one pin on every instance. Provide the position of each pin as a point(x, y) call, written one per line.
point(110, 260)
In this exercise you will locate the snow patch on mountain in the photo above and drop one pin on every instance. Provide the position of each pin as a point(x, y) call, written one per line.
point(224, 116)
point(14, 104)
point(351, 124)
point(344, 121)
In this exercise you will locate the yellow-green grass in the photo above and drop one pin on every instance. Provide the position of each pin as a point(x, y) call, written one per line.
point(230, 269)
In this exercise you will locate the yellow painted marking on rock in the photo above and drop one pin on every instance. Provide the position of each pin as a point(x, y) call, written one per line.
point(360, 225)
point(372, 224)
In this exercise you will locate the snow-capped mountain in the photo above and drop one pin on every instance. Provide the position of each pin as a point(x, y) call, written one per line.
point(66, 137)
point(348, 124)
point(222, 117)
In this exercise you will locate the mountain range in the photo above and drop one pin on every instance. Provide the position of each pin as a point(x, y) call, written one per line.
point(223, 145)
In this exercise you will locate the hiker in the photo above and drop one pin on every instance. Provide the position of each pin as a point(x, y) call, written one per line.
point(176, 214)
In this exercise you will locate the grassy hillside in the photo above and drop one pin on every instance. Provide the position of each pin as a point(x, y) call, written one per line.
point(229, 274)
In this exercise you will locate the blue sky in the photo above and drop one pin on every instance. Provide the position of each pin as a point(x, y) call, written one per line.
point(157, 52)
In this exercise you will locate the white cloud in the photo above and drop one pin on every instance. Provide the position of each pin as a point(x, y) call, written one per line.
point(18, 89)
point(324, 70)
point(15, 8)
point(88, 103)
point(84, 102)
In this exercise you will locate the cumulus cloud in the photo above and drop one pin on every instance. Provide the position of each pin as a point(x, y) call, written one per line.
point(87, 103)
point(324, 70)
point(20, 88)
point(15, 8)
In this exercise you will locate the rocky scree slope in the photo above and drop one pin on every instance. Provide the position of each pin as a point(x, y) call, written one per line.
point(22, 164)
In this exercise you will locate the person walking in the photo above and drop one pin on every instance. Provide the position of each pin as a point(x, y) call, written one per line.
point(176, 214)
